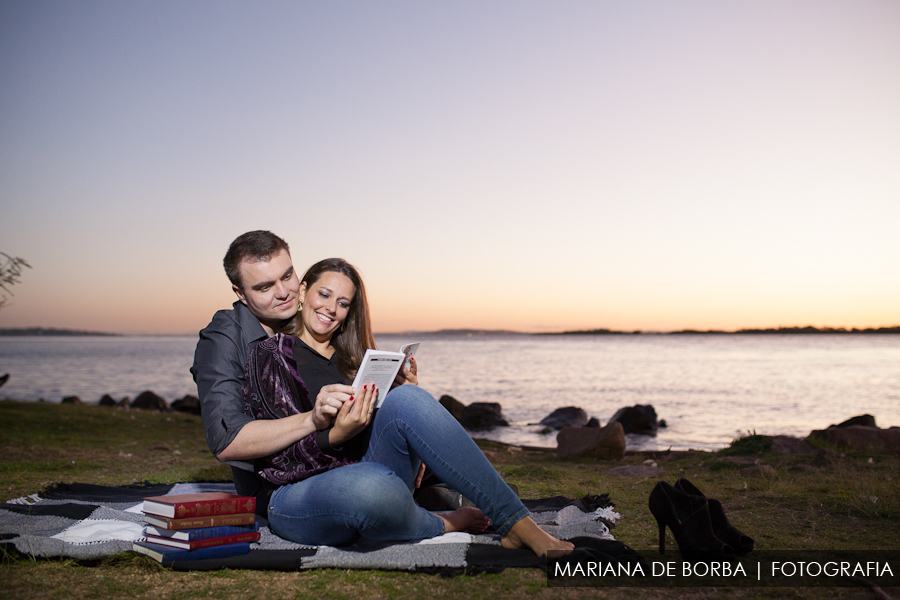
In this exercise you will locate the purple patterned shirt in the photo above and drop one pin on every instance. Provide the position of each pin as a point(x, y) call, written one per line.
point(275, 390)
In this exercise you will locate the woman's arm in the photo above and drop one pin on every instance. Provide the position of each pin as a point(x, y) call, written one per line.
point(354, 416)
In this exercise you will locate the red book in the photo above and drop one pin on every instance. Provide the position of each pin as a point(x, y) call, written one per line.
point(198, 505)
point(207, 543)
point(195, 522)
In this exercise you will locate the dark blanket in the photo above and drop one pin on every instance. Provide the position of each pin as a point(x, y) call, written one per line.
point(87, 521)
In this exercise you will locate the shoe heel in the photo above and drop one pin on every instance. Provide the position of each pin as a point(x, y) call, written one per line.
point(662, 536)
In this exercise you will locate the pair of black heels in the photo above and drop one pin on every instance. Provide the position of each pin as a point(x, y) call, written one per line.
point(698, 523)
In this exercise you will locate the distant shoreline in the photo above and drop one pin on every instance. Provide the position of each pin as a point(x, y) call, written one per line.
point(779, 330)
point(771, 331)
point(41, 331)
point(808, 330)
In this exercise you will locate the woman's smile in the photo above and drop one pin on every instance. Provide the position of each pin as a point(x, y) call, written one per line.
point(326, 304)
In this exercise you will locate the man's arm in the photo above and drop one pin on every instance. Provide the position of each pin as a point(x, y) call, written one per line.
point(262, 438)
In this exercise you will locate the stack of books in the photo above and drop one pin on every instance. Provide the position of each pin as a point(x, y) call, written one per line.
point(198, 526)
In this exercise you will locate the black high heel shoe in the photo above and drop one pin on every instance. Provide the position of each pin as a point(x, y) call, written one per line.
point(688, 517)
point(740, 542)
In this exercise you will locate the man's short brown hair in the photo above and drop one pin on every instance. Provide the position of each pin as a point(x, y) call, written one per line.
point(253, 246)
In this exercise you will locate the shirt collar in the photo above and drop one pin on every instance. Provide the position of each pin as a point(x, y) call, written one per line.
point(251, 329)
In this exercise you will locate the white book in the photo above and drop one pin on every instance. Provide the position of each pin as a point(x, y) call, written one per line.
point(380, 367)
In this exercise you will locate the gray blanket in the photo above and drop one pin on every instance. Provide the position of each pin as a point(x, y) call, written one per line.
point(82, 527)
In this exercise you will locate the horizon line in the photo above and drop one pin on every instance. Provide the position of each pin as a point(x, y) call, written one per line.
point(797, 329)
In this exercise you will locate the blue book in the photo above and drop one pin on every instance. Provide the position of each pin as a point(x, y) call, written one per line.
point(167, 554)
point(201, 533)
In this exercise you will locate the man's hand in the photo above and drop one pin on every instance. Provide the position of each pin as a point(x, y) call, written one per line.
point(354, 416)
point(328, 403)
point(407, 375)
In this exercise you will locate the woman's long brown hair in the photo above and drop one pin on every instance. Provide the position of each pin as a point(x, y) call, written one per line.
point(355, 334)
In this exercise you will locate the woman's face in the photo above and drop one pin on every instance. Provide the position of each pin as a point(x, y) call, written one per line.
point(326, 304)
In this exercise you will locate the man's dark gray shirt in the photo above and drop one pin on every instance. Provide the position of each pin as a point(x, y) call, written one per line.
point(220, 365)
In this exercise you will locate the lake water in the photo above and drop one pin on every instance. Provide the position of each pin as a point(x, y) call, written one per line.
point(709, 389)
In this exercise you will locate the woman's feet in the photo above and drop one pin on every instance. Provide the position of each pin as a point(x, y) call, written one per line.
point(526, 534)
point(468, 518)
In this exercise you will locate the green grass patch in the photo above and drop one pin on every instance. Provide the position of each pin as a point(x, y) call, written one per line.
point(749, 444)
point(809, 501)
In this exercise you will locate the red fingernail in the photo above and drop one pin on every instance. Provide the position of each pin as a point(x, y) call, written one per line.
point(351, 397)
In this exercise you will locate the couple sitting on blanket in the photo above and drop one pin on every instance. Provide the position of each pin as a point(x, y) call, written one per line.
point(325, 466)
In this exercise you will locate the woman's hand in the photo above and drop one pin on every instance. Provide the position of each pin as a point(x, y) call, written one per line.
point(420, 475)
point(328, 404)
point(354, 416)
point(407, 375)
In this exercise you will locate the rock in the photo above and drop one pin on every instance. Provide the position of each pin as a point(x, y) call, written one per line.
point(640, 418)
point(4, 378)
point(71, 400)
point(125, 402)
point(860, 438)
point(149, 401)
point(864, 420)
point(593, 422)
point(791, 445)
point(662, 423)
point(757, 470)
point(454, 406)
point(597, 442)
point(479, 416)
point(635, 471)
point(188, 404)
point(107, 400)
point(567, 416)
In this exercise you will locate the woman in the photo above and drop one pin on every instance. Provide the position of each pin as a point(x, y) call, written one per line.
point(351, 480)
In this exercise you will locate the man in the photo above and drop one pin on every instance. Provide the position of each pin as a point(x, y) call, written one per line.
point(258, 263)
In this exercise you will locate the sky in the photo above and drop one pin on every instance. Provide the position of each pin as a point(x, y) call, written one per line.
point(535, 166)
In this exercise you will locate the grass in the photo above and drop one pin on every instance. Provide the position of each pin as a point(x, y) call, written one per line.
point(824, 501)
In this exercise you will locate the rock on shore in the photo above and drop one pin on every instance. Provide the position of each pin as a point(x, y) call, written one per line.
point(479, 416)
point(640, 419)
point(860, 438)
point(597, 442)
point(567, 416)
point(149, 401)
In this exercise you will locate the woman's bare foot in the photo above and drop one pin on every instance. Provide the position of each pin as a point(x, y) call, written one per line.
point(526, 534)
point(468, 518)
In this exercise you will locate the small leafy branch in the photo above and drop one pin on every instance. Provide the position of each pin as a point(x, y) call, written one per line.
point(10, 272)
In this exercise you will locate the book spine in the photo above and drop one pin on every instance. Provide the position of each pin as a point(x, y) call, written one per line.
point(209, 508)
point(229, 539)
point(236, 519)
point(201, 533)
point(166, 554)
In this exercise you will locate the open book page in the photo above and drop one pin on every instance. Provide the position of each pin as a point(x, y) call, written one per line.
point(378, 367)
point(409, 350)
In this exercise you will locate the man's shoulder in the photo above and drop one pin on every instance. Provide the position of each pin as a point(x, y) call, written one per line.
point(235, 319)
point(224, 318)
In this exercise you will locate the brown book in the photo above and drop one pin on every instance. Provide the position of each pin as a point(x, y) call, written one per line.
point(195, 522)
point(198, 505)
point(251, 536)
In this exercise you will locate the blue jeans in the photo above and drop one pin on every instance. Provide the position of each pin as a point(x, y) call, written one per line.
point(373, 499)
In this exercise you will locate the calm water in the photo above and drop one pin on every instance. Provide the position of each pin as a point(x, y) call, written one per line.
point(709, 389)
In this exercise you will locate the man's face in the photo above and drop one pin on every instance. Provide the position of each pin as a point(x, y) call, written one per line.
point(270, 289)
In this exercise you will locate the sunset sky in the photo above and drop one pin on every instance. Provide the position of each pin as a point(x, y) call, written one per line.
point(535, 166)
